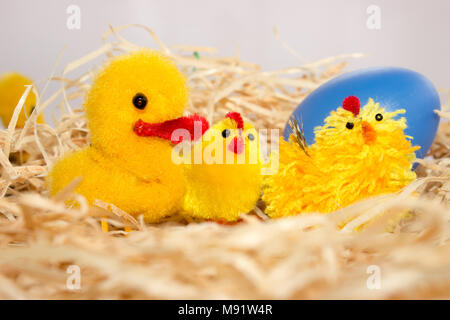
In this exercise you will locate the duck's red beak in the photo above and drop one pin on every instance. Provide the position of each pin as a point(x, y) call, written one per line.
point(194, 126)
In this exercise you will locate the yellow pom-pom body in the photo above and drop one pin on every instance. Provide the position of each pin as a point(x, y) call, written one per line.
point(12, 87)
point(223, 185)
point(348, 162)
point(134, 173)
point(105, 179)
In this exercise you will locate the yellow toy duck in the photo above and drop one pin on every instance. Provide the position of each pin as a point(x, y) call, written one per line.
point(133, 107)
point(358, 153)
point(12, 87)
point(226, 181)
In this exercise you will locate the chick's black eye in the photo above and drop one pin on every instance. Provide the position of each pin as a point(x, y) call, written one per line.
point(140, 101)
point(225, 133)
point(32, 109)
point(349, 125)
point(251, 137)
point(379, 117)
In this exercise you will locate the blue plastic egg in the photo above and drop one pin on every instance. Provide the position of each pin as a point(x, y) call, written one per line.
point(393, 88)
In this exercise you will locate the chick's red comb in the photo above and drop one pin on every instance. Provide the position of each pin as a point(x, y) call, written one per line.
point(352, 104)
point(236, 116)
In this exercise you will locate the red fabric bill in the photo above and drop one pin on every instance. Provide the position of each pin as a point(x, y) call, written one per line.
point(194, 124)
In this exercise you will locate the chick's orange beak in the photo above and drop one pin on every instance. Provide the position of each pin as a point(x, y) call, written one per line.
point(236, 145)
point(194, 126)
point(369, 133)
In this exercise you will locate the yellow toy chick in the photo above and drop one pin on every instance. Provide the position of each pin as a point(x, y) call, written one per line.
point(133, 107)
point(225, 181)
point(12, 87)
point(356, 154)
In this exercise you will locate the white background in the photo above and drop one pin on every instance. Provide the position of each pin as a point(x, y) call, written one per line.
point(413, 34)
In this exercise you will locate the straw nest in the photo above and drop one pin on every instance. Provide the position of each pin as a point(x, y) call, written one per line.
point(305, 256)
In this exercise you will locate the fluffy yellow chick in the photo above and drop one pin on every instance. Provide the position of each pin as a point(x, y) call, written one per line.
point(356, 154)
point(224, 174)
point(12, 87)
point(132, 108)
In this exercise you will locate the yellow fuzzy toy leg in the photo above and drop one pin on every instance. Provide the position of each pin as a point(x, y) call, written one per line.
point(104, 224)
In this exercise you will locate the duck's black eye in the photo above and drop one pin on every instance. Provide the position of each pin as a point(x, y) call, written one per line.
point(349, 125)
point(226, 133)
point(140, 101)
point(31, 110)
point(379, 117)
point(251, 137)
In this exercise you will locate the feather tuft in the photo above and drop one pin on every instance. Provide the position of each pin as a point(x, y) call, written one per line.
point(297, 130)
